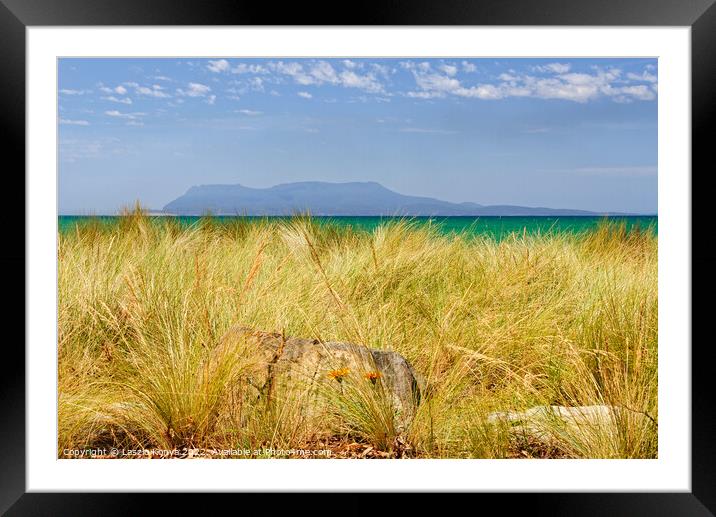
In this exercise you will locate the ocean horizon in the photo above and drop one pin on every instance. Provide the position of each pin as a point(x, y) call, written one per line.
point(493, 226)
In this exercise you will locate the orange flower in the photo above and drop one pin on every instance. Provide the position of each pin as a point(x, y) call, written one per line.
point(372, 376)
point(338, 374)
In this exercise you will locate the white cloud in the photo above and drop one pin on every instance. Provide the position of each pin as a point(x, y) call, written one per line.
point(293, 70)
point(242, 87)
point(350, 79)
point(449, 70)
point(431, 84)
point(221, 65)
point(68, 91)
point(112, 98)
point(154, 91)
point(128, 116)
point(425, 95)
point(382, 70)
point(322, 72)
point(557, 84)
point(250, 113)
point(640, 92)
point(483, 91)
point(245, 68)
point(645, 77)
point(256, 84)
point(121, 90)
point(68, 122)
point(557, 68)
point(194, 90)
point(432, 80)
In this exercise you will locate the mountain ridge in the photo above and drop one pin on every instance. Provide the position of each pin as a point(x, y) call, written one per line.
point(338, 199)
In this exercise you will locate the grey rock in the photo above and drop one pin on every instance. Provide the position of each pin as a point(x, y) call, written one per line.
point(548, 423)
point(299, 370)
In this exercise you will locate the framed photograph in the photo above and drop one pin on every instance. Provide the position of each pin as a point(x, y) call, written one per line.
point(450, 252)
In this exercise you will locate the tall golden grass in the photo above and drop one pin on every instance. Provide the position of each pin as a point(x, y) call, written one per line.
point(551, 319)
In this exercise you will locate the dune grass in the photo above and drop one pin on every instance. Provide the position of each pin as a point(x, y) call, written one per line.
point(551, 319)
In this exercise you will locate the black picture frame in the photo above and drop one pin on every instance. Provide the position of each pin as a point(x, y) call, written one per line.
point(17, 15)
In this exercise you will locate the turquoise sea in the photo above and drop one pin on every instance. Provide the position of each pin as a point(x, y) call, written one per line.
point(497, 227)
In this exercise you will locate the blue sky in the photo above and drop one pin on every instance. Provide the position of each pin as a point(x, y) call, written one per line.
point(561, 133)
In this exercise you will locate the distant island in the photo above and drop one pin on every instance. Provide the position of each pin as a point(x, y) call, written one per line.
point(337, 199)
